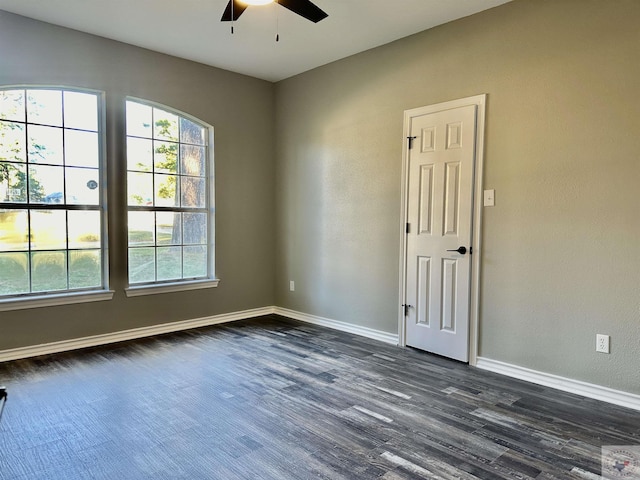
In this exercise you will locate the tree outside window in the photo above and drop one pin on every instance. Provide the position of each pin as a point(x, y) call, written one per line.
point(51, 207)
point(169, 196)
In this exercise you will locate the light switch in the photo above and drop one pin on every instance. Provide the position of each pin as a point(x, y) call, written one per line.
point(489, 198)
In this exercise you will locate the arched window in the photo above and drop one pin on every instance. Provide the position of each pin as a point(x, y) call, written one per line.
point(52, 203)
point(170, 198)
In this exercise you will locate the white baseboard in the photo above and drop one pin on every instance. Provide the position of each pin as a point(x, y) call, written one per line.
point(132, 334)
point(617, 397)
point(589, 390)
point(337, 325)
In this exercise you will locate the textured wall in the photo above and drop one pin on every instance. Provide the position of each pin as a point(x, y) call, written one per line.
point(560, 261)
point(240, 108)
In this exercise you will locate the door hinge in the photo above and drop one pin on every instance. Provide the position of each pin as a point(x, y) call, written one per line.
point(408, 228)
point(411, 139)
point(406, 309)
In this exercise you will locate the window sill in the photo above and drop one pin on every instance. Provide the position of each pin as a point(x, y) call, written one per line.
point(140, 290)
point(53, 300)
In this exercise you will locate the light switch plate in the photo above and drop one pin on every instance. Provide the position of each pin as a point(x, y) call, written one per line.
point(489, 198)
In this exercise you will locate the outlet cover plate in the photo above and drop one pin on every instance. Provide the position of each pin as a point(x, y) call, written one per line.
point(602, 343)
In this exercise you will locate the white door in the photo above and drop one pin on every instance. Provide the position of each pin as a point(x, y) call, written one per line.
point(439, 216)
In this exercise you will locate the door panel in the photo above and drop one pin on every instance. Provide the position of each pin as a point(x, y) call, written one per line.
point(424, 285)
point(451, 197)
point(439, 211)
point(425, 200)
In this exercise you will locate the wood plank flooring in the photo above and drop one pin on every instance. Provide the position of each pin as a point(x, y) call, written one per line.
point(271, 398)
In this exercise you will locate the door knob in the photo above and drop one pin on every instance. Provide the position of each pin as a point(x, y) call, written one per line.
point(460, 250)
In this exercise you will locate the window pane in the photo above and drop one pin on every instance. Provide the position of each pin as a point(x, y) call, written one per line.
point(141, 228)
point(44, 107)
point(191, 132)
point(81, 148)
point(84, 229)
point(193, 191)
point(46, 184)
point(12, 105)
point(192, 160)
point(14, 231)
point(169, 228)
point(166, 191)
point(48, 229)
point(194, 228)
point(174, 168)
point(195, 261)
point(140, 188)
point(165, 157)
point(166, 125)
point(82, 186)
point(12, 142)
point(15, 273)
point(81, 111)
point(169, 263)
point(48, 271)
point(142, 265)
point(139, 156)
point(139, 120)
point(84, 269)
point(50, 159)
point(13, 187)
point(45, 144)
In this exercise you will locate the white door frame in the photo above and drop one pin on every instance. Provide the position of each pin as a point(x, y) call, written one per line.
point(474, 301)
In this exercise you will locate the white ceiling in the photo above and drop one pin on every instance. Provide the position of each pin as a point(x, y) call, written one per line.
point(192, 29)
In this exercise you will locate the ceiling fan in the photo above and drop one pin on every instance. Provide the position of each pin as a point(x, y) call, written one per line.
point(304, 8)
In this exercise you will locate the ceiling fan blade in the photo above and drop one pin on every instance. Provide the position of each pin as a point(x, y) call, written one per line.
point(305, 9)
point(238, 8)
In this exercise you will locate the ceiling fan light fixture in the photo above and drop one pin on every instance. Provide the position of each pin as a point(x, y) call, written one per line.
point(256, 2)
point(305, 8)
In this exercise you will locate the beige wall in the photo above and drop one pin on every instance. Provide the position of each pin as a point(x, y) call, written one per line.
point(560, 261)
point(238, 107)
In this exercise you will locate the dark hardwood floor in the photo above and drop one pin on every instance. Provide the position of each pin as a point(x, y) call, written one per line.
point(271, 398)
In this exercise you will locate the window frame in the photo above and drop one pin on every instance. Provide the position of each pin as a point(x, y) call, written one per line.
point(174, 285)
point(28, 300)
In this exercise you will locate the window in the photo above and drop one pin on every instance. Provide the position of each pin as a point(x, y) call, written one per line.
point(52, 207)
point(170, 197)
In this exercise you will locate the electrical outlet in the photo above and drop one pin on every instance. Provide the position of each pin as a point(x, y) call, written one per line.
point(602, 343)
point(292, 286)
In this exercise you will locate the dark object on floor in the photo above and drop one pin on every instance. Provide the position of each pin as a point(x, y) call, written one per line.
point(3, 399)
